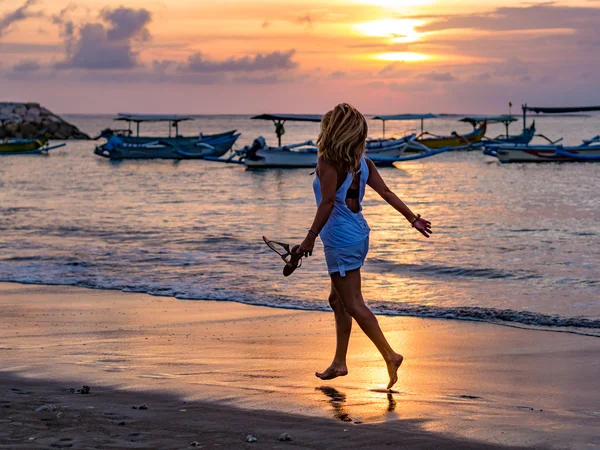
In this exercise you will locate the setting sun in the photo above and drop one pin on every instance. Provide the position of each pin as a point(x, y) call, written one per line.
point(396, 4)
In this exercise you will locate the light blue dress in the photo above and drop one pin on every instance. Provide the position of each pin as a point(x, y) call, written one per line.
point(345, 236)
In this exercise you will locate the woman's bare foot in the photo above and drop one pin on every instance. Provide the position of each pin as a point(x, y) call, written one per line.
point(392, 366)
point(332, 372)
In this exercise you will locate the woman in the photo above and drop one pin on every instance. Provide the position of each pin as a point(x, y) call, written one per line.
point(342, 175)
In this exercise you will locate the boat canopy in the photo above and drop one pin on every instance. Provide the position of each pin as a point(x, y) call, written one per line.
point(475, 120)
point(406, 117)
point(280, 119)
point(175, 118)
point(290, 117)
point(420, 117)
point(560, 110)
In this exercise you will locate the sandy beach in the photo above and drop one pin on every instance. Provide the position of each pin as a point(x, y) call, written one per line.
point(214, 372)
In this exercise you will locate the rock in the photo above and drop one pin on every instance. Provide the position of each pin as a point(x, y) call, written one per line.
point(35, 120)
point(357, 420)
point(28, 129)
point(194, 444)
point(142, 407)
point(84, 390)
point(251, 438)
point(285, 437)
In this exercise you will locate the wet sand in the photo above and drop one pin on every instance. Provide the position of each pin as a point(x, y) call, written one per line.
point(250, 370)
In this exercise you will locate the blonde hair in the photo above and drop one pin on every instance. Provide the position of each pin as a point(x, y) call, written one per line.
point(343, 136)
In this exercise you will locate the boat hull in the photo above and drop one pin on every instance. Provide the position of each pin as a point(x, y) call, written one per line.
point(281, 159)
point(168, 150)
point(539, 154)
point(290, 159)
point(458, 142)
point(24, 146)
point(180, 140)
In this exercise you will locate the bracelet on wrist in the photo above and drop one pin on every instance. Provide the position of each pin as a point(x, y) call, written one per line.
point(313, 234)
point(417, 217)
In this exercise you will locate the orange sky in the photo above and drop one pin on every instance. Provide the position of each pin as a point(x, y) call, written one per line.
point(245, 56)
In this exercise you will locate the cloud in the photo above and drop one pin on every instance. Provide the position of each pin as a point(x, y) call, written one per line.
point(27, 66)
point(338, 75)
point(127, 23)
point(512, 67)
point(103, 46)
point(394, 70)
point(304, 20)
point(21, 13)
point(536, 17)
point(442, 77)
point(275, 61)
point(485, 76)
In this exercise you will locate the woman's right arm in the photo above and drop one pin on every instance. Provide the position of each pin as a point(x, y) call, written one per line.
point(328, 180)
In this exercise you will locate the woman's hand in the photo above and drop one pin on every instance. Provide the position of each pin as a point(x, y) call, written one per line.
point(307, 246)
point(423, 226)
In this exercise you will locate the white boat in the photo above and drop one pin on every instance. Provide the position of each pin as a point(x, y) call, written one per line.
point(260, 156)
point(588, 151)
point(383, 152)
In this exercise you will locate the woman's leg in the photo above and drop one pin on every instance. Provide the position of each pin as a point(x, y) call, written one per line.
point(348, 289)
point(343, 327)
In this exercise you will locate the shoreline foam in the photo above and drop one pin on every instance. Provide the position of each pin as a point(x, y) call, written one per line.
point(526, 320)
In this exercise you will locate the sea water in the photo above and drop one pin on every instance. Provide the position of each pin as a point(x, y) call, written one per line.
point(516, 245)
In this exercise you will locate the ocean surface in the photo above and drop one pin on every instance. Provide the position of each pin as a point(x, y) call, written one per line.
point(517, 245)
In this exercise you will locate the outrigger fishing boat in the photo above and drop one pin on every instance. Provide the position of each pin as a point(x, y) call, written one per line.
point(24, 146)
point(121, 144)
point(434, 142)
point(303, 154)
point(524, 138)
point(587, 151)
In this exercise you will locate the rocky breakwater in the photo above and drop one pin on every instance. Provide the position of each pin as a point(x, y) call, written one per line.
point(30, 121)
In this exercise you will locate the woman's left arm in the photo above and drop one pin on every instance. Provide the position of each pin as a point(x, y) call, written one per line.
point(376, 182)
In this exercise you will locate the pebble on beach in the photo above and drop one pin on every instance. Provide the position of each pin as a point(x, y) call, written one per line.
point(251, 438)
point(46, 408)
point(285, 437)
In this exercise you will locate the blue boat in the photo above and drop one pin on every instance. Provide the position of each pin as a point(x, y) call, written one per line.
point(122, 144)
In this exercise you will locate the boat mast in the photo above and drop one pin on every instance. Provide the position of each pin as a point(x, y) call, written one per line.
point(279, 130)
point(524, 117)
